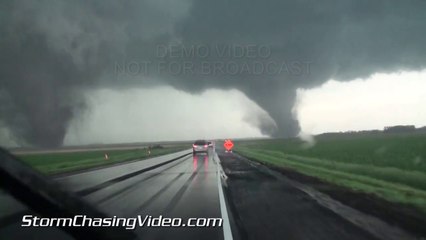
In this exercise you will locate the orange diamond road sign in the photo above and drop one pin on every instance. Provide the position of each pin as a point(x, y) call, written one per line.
point(228, 144)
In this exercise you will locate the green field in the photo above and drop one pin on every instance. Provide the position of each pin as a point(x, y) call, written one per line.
point(391, 166)
point(53, 163)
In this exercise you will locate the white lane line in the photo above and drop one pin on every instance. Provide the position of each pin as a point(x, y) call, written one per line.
point(227, 233)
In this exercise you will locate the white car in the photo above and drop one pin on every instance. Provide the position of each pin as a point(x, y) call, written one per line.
point(200, 146)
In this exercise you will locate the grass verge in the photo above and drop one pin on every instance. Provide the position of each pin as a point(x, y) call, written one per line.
point(55, 163)
point(400, 182)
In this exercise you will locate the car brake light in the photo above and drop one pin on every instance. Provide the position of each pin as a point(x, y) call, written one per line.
point(205, 145)
point(193, 145)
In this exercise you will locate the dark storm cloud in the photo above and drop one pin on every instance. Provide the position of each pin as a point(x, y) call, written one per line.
point(341, 39)
point(51, 51)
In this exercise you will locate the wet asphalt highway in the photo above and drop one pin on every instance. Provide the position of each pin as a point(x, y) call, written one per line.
point(267, 208)
point(265, 204)
point(261, 204)
point(186, 187)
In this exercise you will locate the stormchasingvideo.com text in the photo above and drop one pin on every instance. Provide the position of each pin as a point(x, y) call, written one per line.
point(127, 223)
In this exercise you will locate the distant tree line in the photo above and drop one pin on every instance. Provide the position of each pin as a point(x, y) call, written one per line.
point(400, 128)
point(388, 129)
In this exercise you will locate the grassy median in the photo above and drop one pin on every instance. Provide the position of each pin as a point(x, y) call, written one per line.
point(390, 166)
point(54, 163)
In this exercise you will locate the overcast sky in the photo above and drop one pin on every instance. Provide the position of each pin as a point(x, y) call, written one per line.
point(361, 104)
point(164, 114)
point(373, 103)
point(59, 83)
